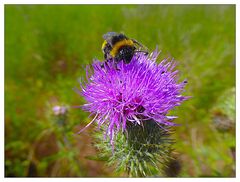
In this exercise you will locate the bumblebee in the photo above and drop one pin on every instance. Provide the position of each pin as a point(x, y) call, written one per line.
point(119, 47)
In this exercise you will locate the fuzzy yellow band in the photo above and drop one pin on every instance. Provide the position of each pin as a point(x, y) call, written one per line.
point(118, 45)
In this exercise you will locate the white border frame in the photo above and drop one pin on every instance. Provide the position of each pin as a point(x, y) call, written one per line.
point(3, 2)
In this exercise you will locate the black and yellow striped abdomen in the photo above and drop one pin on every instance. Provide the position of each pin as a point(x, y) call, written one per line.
point(118, 47)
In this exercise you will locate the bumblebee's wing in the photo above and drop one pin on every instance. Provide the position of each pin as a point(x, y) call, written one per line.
point(108, 37)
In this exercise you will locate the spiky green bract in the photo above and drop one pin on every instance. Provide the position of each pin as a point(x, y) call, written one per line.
point(224, 111)
point(141, 151)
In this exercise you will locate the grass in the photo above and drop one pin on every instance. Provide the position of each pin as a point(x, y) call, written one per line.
point(47, 47)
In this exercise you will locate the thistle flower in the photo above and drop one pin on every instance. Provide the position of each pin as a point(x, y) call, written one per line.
point(60, 113)
point(59, 110)
point(124, 94)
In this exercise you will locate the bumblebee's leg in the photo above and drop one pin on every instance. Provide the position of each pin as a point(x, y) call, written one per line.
point(139, 44)
point(136, 42)
point(105, 56)
point(145, 52)
point(115, 63)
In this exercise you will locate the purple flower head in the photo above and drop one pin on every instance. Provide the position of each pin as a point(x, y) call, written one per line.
point(59, 110)
point(140, 90)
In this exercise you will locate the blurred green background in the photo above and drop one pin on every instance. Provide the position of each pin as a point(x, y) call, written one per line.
point(47, 48)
